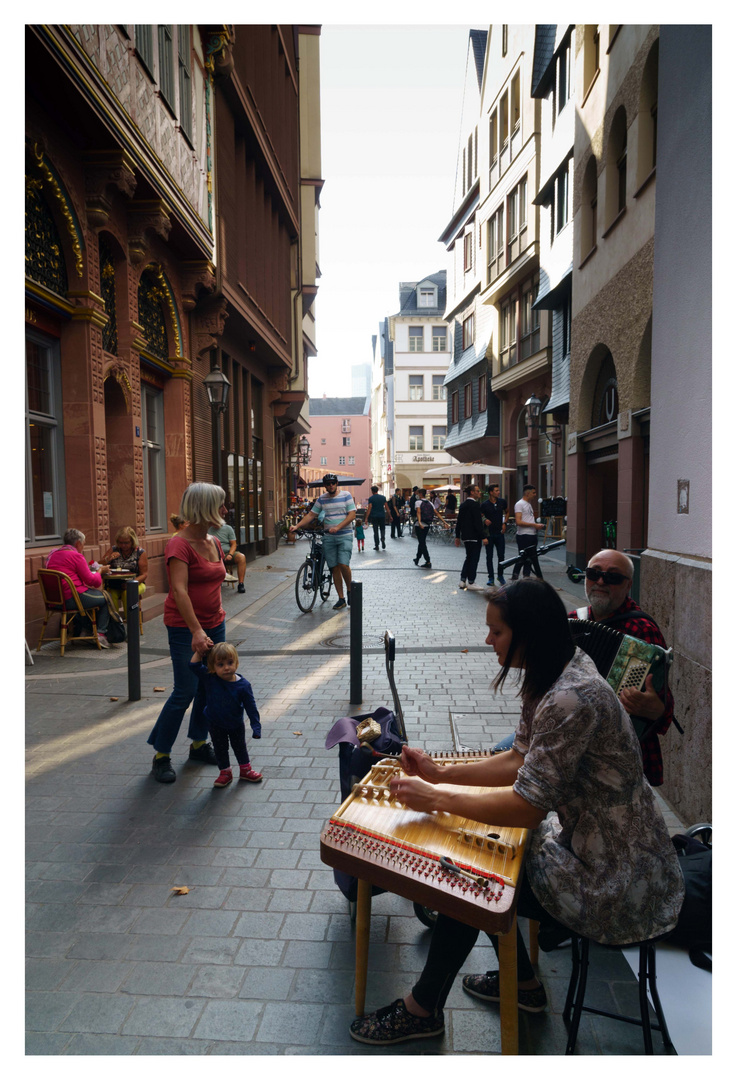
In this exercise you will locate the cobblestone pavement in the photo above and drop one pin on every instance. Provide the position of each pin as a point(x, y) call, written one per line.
point(258, 957)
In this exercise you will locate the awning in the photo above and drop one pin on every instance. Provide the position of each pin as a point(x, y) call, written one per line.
point(468, 467)
point(555, 297)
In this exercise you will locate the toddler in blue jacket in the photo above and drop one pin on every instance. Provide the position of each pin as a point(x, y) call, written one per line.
point(228, 694)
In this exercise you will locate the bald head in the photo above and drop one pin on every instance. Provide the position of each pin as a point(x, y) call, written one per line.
point(605, 599)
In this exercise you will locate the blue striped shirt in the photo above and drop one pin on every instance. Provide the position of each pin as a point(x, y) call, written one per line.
point(336, 507)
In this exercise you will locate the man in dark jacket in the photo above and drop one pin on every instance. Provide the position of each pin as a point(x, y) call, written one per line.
point(377, 516)
point(470, 529)
point(494, 513)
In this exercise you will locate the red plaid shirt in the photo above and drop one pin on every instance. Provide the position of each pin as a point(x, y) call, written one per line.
point(646, 629)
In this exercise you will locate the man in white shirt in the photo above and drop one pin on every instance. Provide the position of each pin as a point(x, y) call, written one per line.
point(527, 529)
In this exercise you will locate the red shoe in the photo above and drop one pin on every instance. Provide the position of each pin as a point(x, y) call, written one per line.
point(249, 773)
point(225, 778)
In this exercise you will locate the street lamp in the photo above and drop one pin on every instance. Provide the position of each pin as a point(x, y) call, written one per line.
point(218, 388)
point(304, 451)
point(535, 421)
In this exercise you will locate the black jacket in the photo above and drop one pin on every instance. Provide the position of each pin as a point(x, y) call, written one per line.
point(470, 523)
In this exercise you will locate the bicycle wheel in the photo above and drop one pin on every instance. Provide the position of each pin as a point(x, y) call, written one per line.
point(326, 583)
point(305, 589)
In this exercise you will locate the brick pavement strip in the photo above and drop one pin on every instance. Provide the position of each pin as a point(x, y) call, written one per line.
point(258, 957)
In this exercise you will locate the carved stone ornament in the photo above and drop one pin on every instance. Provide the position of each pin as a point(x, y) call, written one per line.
point(277, 385)
point(106, 172)
point(208, 324)
point(198, 280)
point(150, 214)
point(219, 59)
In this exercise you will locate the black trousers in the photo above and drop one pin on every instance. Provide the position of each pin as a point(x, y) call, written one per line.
point(422, 552)
point(471, 562)
point(396, 526)
point(220, 737)
point(452, 941)
point(379, 527)
point(526, 561)
point(496, 543)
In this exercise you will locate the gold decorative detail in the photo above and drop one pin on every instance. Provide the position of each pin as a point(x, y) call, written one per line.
point(50, 179)
point(163, 295)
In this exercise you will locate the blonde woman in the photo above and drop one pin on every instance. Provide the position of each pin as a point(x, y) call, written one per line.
point(195, 621)
point(125, 554)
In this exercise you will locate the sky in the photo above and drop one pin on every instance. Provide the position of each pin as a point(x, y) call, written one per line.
point(391, 99)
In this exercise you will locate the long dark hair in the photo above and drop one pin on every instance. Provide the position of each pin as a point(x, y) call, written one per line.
point(541, 634)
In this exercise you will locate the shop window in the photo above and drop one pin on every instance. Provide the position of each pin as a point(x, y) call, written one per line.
point(45, 492)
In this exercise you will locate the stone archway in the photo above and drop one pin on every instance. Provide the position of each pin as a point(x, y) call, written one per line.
point(119, 450)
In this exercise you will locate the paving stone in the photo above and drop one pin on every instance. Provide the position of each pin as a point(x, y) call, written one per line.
point(151, 947)
point(165, 1016)
point(99, 946)
point(100, 1013)
point(105, 976)
point(267, 983)
point(101, 1045)
point(212, 950)
point(159, 978)
point(229, 1021)
point(293, 1023)
point(47, 974)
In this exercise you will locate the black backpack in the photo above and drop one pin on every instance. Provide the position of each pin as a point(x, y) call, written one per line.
point(693, 930)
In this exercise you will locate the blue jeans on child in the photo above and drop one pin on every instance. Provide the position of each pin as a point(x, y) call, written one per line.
point(186, 687)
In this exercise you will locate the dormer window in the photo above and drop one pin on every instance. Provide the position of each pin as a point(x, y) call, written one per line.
point(427, 296)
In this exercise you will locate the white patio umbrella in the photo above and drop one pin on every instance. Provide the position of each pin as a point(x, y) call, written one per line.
point(447, 487)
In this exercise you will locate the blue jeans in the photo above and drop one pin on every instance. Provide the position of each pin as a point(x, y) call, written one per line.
point(91, 598)
point(496, 543)
point(186, 687)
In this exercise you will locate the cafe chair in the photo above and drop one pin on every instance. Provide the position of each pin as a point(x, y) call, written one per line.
point(53, 598)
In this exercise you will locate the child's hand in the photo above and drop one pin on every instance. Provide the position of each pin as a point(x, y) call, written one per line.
point(256, 732)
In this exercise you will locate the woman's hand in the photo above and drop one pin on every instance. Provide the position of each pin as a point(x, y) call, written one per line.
point(201, 641)
point(417, 763)
point(415, 794)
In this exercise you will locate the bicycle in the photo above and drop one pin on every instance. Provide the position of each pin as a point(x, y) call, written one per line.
point(313, 576)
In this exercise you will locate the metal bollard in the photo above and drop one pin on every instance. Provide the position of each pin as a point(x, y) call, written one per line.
point(132, 602)
point(356, 643)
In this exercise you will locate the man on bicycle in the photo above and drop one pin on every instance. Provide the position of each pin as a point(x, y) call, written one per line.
point(337, 540)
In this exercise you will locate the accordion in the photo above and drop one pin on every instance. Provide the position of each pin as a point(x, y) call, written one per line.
point(623, 661)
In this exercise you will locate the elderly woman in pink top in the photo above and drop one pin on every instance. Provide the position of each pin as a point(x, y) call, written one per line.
point(70, 561)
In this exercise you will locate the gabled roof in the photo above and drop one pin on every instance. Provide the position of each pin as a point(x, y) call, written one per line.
point(408, 295)
point(339, 406)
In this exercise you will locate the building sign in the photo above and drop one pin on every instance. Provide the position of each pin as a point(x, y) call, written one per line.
point(423, 457)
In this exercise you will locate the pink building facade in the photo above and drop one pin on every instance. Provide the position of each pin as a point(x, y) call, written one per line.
point(340, 438)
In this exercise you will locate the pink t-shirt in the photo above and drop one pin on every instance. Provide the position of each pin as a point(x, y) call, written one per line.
point(203, 586)
point(71, 562)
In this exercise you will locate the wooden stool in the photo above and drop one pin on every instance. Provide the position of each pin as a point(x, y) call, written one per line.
point(645, 978)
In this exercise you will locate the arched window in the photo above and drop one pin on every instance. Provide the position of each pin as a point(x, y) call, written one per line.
point(44, 253)
point(151, 315)
point(588, 208)
point(647, 119)
point(616, 166)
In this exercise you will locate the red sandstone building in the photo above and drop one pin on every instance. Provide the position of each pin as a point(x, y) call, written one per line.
point(168, 173)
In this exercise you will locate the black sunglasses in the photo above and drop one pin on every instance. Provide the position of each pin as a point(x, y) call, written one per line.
point(609, 577)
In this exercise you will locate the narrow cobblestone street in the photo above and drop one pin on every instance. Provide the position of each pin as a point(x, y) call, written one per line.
point(258, 957)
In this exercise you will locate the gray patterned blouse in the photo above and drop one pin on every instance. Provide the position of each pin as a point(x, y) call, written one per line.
point(603, 864)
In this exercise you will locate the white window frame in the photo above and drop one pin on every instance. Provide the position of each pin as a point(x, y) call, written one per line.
point(416, 389)
point(440, 334)
point(417, 438)
point(439, 392)
point(154, 458)
point(52, 422)
point(416, 341)
point(439, 435)
point(427, 297)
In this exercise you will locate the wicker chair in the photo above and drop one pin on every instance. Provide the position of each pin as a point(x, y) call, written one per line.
point(53, 598)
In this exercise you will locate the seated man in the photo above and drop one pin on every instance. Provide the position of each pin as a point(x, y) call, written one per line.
point(233, 558)
point(608, 582)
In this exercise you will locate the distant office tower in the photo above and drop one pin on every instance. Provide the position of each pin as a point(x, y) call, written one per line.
point(361, 376)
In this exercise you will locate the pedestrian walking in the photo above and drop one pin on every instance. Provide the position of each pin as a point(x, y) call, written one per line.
point(396, 502)
point(470, 530)
point(360, 535)
point(227, 695)
point(494, 513)
point(425, 513)
point(194, 620)
point(527, 530)
point(377, 516)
